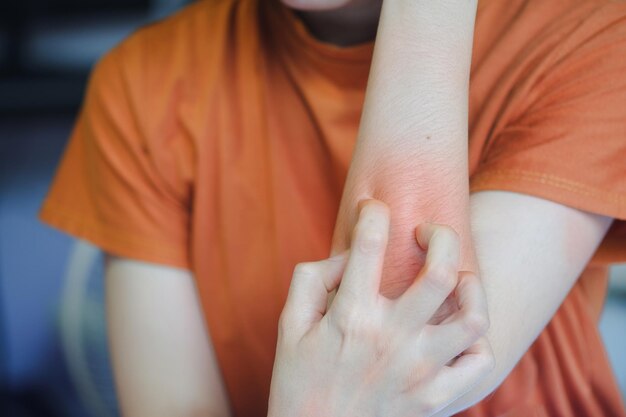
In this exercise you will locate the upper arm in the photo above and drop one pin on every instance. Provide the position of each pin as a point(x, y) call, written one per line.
point(528, 246)
point(530, 251)
point(163, 359)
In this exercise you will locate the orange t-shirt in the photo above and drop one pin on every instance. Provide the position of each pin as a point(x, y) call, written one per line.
point(218, 140)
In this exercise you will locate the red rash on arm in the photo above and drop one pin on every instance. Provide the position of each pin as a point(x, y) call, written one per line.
point(412, 147)
point(414, 196)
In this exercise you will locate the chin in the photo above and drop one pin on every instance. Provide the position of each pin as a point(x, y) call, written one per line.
point(316, 4)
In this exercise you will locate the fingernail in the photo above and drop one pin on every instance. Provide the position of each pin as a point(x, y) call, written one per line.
point(362, 204)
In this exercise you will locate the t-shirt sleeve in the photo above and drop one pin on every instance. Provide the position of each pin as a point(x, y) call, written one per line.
point(109, 187)
point(569, 143)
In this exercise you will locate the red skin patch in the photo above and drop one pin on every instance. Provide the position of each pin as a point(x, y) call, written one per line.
point(415, 192)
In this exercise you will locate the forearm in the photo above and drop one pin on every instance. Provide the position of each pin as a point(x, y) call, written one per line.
point(417, 93)
point(411, 150)
point(163, 360)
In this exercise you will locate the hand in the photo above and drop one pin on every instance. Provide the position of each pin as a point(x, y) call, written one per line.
point(371, 356)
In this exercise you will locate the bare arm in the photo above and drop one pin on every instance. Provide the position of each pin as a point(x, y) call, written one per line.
point(412, 154)
point(526, 246)
point(411, 151)
point(163, 360)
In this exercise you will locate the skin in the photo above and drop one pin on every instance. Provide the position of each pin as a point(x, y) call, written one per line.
point(506, 229)
point(372, 356)
point(411, 150)
point(411, 153)
point(162, 355)
point(341, 23)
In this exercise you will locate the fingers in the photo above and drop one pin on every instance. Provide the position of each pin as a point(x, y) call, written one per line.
point(435, 281)
point(465, 373)
point(361, 279)
point(309, 290)
point(446, 341)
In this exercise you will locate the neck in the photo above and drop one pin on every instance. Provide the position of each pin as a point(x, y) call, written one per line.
point(346, 26)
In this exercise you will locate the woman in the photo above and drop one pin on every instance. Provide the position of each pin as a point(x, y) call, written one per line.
point(213, 146)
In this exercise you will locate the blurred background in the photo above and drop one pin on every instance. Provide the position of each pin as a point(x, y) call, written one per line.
point(53, 357)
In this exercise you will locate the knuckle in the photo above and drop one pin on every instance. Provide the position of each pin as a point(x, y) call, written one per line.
point(447, 234)
point(428, 332)
point(485, 365)
point(488, 362)
point(418, 375)
point(284, 323)
point(351, 323)
point(355, 325)
point(370, 240)
point(428, 405)
point(305, 269)
point(448, 241)
point(475, 323)
point(441, 277)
